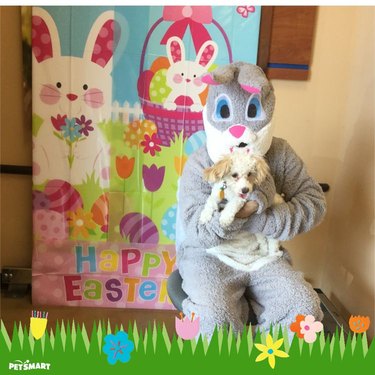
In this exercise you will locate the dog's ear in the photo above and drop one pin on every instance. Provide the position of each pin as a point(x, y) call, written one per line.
point(218, 170)
point(262, 170)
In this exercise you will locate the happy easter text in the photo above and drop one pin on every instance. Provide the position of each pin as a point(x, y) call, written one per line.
point(136, 283)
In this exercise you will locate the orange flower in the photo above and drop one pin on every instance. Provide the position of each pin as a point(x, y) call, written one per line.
point(81, 222)
point(296, 326)
point(179, 164)
point(124, 166)
point(359, 324)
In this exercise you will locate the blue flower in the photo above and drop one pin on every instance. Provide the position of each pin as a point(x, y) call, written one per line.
point(71, 129)
point(118, 347)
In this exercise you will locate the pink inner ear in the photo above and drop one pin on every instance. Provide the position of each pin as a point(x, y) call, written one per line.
point(207, 55)
point(175, 51)
point(251, 89)
point(41, 39)
point(208, 79)
point(106, 43)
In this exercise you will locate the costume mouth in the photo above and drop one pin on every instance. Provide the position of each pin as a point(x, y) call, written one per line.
point(242, 145)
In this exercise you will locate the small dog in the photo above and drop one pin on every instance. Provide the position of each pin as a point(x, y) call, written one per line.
point(234, 177)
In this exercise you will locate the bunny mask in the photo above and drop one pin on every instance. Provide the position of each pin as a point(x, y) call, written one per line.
point(239, 110)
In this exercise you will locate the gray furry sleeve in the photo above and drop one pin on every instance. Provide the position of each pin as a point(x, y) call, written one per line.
point(193, 194)
point(304, 205)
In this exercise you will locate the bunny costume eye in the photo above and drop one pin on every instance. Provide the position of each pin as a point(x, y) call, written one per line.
point(254, 110)
point(58, 85)
point(85, 87)
point(223, 108)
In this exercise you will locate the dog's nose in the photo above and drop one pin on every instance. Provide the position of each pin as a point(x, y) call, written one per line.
point(71, 97)
point(237, 130)
point(245, 190)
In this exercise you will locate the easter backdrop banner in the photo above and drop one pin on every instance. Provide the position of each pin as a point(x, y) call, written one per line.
point(117, 110)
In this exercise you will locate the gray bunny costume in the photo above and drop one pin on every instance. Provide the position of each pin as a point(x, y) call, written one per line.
point(238, 113)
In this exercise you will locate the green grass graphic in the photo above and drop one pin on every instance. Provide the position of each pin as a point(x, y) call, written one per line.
point(69, 347)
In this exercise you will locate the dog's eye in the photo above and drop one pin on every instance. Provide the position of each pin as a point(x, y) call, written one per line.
point(249, 174)
point(235, 175)
point(223, 108)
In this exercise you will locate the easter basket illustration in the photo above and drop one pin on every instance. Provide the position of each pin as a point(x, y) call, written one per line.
point(171, 93)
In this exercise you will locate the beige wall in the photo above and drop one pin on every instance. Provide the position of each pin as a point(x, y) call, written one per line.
point(329, 120)
point(15, 137)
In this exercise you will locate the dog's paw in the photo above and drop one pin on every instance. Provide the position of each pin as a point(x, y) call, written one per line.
point(226, 220)
point(205, 217)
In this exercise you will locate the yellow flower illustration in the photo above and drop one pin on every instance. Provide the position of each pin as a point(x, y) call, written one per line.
point(270, 351)
point(81, 222)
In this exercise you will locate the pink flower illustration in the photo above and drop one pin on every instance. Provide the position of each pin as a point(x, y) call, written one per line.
point(185, 328)
point(153, 177)
point(151, 144)
point(58, 121)
point(309, 328)
point(85, 125)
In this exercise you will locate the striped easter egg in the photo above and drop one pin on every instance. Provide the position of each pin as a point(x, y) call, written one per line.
point(99, 210)
point(62, 196)
point(195, 141)
point(138, 228)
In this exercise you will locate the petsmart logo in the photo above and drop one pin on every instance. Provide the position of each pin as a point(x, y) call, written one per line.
point(18, 365)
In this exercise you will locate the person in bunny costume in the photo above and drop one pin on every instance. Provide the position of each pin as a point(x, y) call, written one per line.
point(71, 95)
point(238, 113)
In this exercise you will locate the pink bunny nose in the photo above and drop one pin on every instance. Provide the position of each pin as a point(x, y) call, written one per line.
point(237, 130)
point(188, 80)
point(71, 97)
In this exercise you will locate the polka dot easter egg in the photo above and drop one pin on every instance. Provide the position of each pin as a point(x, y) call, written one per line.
point(135, 132)
point(168, 223)
point(159, 90)
point(138, 228)
point(40, 200)
point(49, 225)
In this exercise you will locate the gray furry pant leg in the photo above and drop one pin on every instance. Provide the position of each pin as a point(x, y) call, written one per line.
point(216, 293)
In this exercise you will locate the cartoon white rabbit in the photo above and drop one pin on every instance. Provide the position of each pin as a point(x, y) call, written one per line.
point(71, 95)
point(183, 76)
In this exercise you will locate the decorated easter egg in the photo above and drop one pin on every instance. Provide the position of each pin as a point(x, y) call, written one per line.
point(159, 90)
point(195, 141)
point(138, 228)
point(49, 225)
point(143, 84)
point(135, 132)
point(40, 200)
point(62, 196)
point(99, 210)
point(160, 63)
point(168, 223)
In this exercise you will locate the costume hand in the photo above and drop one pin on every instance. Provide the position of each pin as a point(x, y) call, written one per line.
point(247, 210)
point(264, 194)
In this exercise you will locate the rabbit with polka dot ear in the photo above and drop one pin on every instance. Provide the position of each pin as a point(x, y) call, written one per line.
point(71, 95)
point(183, 76)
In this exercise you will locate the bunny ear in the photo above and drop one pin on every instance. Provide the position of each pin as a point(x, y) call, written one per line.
point(103, 39)
point(207, 53)
point(45, 38)
point(175, 50)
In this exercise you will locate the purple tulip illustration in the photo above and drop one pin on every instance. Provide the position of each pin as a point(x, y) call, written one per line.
point(153, 177)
